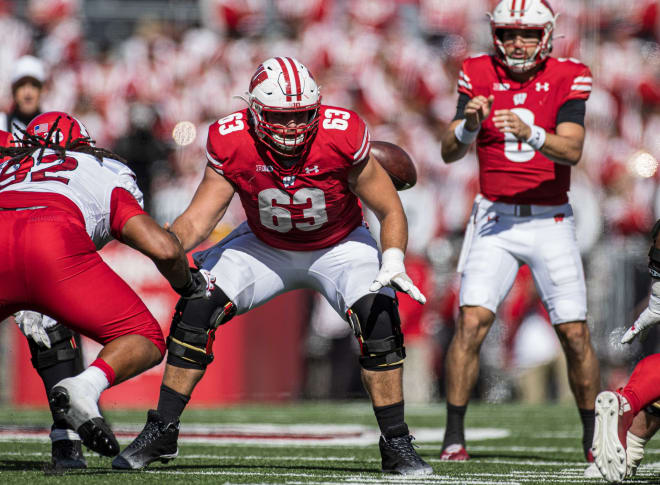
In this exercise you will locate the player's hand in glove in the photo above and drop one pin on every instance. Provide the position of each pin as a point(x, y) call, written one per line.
point(393, 273)
point(648, 318)
point(200, 286)
point(32, 326)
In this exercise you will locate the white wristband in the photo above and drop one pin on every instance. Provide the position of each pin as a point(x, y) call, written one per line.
point(537, 139)
point(464, 135)
point(393, 257)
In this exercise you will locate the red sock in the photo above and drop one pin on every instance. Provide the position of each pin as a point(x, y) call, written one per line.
point(106, 369)
point(643, 387)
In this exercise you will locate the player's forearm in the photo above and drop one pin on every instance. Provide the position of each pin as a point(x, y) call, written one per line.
point(174, 268)
point(562, 149)
point(190, 233)
point(452, 149)
point(394, 231)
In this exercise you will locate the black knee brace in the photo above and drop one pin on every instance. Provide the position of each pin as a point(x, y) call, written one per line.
point(190, 343)
point(63, 348)
point(375, 321)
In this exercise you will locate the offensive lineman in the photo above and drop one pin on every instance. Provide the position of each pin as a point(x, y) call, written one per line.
point(61, 199)
point(299, 168)
point(526, 111)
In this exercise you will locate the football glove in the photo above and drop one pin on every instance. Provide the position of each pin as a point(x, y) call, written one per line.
point(649, 317)
point(200, 286)
point(32, 326)
point(393, 274)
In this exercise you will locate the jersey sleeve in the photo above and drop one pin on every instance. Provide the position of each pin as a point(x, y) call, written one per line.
point(580, 85)
point(123, 206)
point(359, 141)
point(213, 156)
point(464, 82)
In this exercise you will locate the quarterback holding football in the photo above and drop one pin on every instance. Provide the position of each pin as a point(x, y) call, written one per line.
point(299, 168)
point(525, 110)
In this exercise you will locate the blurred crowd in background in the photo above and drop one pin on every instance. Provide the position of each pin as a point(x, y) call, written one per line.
point(131, 78)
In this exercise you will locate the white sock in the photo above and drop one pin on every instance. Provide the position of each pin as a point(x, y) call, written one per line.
point(96, 378)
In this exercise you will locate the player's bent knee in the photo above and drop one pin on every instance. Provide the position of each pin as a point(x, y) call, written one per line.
point(375, 321)
point(190, 343)
point(62, 348)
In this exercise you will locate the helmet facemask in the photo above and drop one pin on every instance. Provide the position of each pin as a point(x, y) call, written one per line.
point(287, 131)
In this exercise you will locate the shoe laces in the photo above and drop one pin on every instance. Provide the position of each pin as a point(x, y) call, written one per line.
point(150, 433)
point(404, 446)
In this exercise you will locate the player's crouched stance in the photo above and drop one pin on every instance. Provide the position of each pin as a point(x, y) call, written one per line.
point(299, 168)
point(62, 199)
point(628, 418)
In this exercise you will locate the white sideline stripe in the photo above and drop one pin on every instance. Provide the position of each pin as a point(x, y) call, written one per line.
point(321, 435)
point(344, 479)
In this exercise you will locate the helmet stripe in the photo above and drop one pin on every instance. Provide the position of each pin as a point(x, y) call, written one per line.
point(522, 6)
point(296, 76)
point(287, 78)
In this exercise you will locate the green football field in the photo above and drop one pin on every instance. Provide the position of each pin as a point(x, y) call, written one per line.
point(323, 443)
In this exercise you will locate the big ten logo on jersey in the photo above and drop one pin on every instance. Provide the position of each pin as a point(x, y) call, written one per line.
point(25, 171)
point(231, 123)
point(517, 150)
point(336, 119)
point(305, 210)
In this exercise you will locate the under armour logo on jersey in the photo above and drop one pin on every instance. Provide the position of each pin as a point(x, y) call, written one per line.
point(288, 180)
point(314, 169)
point(519, 98)
point(543, 86)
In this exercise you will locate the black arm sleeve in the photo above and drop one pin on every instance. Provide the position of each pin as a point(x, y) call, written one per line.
point(572, 110)
point(460, 106)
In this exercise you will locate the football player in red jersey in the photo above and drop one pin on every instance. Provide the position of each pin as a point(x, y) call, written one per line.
point(628, 418)
point(298, 167)
point(526, 111)
point(56, 354)
point(61, 199)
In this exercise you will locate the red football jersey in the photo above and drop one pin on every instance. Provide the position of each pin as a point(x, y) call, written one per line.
point(511, 170)
point(308, 206)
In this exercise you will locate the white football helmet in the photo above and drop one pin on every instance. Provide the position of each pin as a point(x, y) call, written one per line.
point(523, 14)
point(281, 86)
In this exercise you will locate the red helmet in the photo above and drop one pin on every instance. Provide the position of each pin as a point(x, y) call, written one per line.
point(6, 139)
point(68, 128)
point(284, 87)
point(533, 15)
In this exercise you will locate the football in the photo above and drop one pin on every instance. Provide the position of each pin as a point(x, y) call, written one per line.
point(396, 162)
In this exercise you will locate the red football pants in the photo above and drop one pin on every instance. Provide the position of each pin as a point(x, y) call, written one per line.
point(49, 264)
point(643, 387)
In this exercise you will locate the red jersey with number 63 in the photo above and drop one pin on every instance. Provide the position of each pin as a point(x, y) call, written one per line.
point(308, 206)
point(510, 170)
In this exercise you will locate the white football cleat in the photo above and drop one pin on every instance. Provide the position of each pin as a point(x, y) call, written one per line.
point(613, 419)
point(70, 401)
point(592, 471)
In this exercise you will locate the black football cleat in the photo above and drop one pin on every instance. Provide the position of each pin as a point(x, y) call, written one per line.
point(157, 441)
point(67, 455)
point(70, 402)
point(398, 454)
